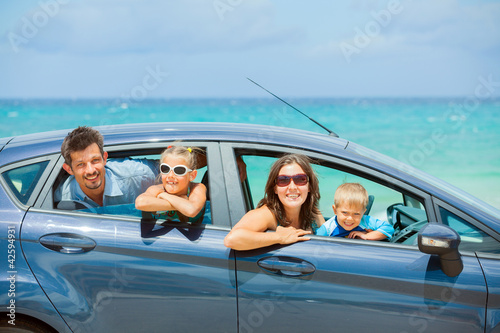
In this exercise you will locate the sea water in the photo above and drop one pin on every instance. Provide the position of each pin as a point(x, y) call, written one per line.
point(452, 139)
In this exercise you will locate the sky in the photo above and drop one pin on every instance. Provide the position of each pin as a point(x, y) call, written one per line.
point(207, 48)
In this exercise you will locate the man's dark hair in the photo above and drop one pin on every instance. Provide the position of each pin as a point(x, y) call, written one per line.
point(79, 139)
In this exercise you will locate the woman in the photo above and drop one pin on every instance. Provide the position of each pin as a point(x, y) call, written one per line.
point(290, 207)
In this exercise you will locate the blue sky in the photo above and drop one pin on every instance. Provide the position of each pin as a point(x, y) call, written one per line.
point(207, 48)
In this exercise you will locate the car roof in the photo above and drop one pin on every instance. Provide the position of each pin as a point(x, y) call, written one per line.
point(39, 144)
point(4, 141)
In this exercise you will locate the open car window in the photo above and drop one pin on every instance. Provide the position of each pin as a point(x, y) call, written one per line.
point(404, 210)
point(152, 160)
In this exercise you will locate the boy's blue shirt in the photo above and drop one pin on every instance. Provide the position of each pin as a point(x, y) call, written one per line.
point(332, 228)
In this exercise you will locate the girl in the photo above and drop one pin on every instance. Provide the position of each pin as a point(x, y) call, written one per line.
point(177, 197)
point(290, 207)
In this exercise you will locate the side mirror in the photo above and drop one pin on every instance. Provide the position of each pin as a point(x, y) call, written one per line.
point(441, 240)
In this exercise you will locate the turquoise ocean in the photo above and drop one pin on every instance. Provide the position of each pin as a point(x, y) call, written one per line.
point(457, 140)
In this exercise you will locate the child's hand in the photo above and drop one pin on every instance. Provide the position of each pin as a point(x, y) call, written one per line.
point(357, 234)
point(367, 235)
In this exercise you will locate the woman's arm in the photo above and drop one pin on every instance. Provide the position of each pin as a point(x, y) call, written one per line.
point(250, 232)
point(319, 220)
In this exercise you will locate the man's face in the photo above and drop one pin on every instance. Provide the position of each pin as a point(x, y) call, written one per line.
point(88, 168)
point(349, 216)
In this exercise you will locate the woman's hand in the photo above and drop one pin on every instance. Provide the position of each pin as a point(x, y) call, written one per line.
point(251, 231)
point(289, 235)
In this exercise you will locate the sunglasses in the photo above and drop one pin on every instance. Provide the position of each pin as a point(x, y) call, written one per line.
point(179, 170)
point(300, 180)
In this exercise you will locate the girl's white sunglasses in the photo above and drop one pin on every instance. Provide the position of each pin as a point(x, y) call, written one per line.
point(179, 170)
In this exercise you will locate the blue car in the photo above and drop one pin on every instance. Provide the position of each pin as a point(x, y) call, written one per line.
point(71, 268)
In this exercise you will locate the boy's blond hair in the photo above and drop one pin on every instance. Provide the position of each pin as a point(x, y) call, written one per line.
point(351, 194)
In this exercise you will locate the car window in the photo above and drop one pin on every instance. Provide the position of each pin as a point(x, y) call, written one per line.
point(331, 178)
point(128, 209)
point(403, 210)
point(472, 238)
point(22, 180)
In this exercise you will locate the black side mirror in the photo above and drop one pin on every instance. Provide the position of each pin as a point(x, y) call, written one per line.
point(441, 240)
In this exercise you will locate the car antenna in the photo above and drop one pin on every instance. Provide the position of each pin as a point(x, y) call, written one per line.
point(330, 132)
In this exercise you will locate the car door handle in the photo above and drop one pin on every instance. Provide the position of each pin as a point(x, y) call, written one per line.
point(67, 243)
point(288, 266)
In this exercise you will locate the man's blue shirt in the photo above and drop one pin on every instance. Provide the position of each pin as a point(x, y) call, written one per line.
point(125, 180)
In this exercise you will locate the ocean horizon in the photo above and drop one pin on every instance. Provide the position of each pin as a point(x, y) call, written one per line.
point(456, 139)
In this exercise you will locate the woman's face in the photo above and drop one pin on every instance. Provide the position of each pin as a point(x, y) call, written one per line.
point(292, 195)
point(172, 183)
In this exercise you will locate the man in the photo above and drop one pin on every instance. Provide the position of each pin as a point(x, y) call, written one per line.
point(94, 180)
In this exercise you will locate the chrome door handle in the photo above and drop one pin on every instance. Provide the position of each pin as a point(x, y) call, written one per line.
point(68, 243)
point(288, 266)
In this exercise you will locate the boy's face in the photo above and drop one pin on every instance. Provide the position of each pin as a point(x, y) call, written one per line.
point(349, 216)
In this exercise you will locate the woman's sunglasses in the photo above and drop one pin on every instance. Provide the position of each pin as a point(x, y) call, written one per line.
point(299, 180)
point(179, 170)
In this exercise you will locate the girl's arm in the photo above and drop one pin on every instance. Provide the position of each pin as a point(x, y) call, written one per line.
point(250, 232)
point(187, 206)
point(149, 201)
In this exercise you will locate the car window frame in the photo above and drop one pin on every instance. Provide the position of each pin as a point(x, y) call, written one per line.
point(438, 203)
point(38, 189)
point(355, 168)
point(220, 216)
point(228, 149)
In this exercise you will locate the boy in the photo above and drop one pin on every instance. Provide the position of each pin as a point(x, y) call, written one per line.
point(349, 206)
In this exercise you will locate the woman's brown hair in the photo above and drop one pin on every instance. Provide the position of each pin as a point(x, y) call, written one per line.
point(309, 209)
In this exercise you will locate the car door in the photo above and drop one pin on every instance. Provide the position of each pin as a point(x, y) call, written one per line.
point(335, 284)
point(490, 264)
point(349, 285)
point(485, 242)
point(112, 273)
